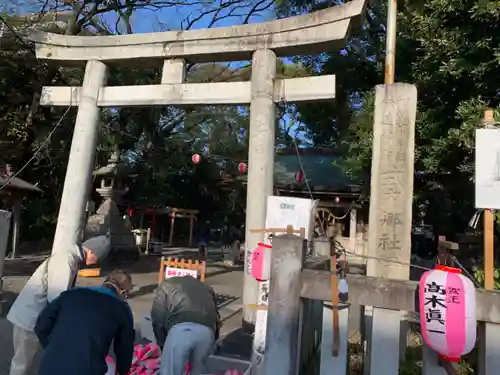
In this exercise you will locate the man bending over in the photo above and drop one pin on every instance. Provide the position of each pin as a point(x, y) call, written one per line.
point(185, 322)
point(55, 275)
point(77, 329)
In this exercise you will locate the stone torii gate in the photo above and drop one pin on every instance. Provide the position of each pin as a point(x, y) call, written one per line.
point(262, 43)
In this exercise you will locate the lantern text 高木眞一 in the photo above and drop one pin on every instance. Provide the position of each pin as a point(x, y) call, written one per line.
point(448, 312)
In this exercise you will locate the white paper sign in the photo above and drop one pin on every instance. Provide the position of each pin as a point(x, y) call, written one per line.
point(249, 261)
point(259, 339)
point(173, 272)
point(488, 168)
point(285, 211)
point(263, 293)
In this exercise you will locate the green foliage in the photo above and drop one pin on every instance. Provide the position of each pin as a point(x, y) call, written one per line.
point(157, 143)
point(410, 368)
point(479, 277)
point(451, 51)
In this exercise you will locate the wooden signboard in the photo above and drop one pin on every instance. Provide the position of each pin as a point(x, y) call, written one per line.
point(170, 267)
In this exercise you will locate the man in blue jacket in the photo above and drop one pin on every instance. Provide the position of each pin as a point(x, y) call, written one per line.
point(77, 329)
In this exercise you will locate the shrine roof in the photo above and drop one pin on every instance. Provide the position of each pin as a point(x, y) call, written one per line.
point(322, 167)
point(17, 183)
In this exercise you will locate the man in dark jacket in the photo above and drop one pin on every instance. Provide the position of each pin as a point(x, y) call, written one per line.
point(77, 329)
point(185, 322)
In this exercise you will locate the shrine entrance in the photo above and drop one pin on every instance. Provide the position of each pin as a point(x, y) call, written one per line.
point(261, 43)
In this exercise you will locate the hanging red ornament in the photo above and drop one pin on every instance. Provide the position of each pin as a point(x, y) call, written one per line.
point(196, 158)
point(299, 176)
point(242, 168)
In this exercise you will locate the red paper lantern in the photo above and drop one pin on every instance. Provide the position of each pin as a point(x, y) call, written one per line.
point(242, 168)
point(196, 158)
point(299, 176)
point(448, 312)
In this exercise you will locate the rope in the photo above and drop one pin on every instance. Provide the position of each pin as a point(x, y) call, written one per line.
point(343, 250)
point(301, 164)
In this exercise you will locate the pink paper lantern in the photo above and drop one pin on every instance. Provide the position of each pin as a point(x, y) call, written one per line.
point(196, 158)
point(299, 176)
point(242, 168)
point(448, 312)
point(260, 267)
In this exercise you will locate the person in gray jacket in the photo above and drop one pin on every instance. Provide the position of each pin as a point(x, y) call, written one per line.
point(55, 275)
point(185, 322)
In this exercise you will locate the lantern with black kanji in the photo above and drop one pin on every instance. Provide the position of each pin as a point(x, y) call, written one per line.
point(260, 266)
point(299, 176)
point(242, 168)
point(448, 312)
point(196, 158)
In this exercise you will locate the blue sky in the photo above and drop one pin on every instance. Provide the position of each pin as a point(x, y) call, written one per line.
point(147, 20)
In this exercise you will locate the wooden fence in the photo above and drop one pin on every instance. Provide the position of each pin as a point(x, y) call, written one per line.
point(293, 288)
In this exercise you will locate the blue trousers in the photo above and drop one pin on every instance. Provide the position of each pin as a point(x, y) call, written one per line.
point(186, 342)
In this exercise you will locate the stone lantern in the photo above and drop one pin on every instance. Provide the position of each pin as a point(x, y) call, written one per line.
point(108, 218)
point(111, 175)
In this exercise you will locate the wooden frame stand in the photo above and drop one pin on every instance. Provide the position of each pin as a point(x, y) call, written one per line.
point(188, 264)
point(288, 230)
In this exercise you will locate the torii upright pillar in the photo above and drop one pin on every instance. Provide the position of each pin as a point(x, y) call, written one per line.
point(260, 162)
point(81, 159)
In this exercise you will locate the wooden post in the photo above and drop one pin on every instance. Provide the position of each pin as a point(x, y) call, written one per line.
point(16, 224)
point(203, 270)
point(282, 344)
point(445, 251)
point(148, 240)
point(191, 223)
point(488, 232)
point(488, 250)
point(489, 346)
point(353, 223)
point(161, 273)
point(335, 304)
point(171, 234)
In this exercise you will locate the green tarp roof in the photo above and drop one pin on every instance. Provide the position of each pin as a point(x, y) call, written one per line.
point(322, 169)
point(323, 172)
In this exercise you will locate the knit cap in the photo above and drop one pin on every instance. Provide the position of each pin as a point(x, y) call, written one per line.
point(100, 246)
